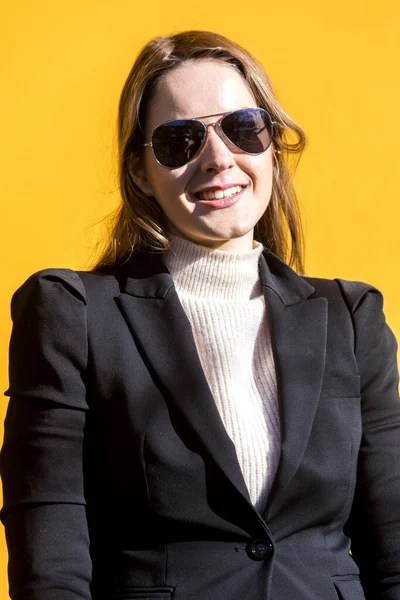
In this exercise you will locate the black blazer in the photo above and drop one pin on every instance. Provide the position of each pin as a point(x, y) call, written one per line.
point(120, 481)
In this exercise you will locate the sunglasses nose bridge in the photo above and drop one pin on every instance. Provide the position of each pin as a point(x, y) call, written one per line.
point(216, 153)
point(216, 125)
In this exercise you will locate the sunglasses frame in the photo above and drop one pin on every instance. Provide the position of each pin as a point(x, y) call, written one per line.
point(216, 125)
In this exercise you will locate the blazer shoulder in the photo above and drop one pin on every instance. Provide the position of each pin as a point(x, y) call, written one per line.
point(43, 280)
point(352, 292)
point(356, 292)
point(79, 283)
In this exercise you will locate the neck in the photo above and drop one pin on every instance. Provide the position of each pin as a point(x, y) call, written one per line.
point(202, 272)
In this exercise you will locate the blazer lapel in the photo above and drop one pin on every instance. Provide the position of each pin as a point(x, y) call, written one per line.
point(298, 323)
point(154, 314)
point(298, 329)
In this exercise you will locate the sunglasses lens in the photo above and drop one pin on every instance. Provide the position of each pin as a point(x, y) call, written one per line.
point(249, 129)
point(175, 143)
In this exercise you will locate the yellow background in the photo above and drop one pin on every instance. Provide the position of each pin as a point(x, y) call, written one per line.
point(334, 65)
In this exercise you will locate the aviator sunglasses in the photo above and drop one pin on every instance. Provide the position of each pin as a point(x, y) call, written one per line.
point(176, 143)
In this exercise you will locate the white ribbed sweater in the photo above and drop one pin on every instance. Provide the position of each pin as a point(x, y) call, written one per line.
point(222, 296)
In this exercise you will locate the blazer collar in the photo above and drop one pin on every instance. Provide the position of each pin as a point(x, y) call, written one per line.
point(146, 276)
point(276, 275)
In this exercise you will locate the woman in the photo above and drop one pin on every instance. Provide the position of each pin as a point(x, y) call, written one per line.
point(192, 420)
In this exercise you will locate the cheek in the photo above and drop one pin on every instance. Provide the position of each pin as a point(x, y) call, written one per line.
point(260, 170)
point(169, 190)
point(163, 182)
point(265, 165)
point(168, 185)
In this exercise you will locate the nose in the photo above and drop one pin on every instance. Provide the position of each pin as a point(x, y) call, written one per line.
point(215, 156)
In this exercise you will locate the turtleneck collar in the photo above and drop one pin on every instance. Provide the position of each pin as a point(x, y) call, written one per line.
point(201, 272)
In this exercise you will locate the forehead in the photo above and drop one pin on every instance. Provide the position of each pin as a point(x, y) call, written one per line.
point(198, 88)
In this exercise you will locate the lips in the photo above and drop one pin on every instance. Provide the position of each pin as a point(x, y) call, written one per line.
point(218, 192)
point(222, 201)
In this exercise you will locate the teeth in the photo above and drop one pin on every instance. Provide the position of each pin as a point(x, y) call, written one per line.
point(218, 194)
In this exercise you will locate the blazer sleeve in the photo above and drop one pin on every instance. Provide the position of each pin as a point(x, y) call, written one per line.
point(375, 520)
point(42, 455)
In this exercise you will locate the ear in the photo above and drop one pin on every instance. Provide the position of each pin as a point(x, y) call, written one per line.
point(140, 178)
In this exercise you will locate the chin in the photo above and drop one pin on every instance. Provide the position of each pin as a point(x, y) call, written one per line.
point(237, 239)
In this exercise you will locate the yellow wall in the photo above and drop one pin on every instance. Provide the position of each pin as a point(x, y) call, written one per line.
point(334, 64)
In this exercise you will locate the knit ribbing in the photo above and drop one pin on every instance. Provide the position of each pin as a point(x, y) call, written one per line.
point(221, 294)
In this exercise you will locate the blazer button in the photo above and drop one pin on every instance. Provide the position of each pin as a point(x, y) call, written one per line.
point(259, 549)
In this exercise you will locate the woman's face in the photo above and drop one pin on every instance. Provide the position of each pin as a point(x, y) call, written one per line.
point(195, 89)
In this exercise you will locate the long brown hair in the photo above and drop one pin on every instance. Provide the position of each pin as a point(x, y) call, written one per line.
point(139, 223)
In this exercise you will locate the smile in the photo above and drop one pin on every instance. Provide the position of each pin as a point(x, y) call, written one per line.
point(219, 194)
point(221, 198)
